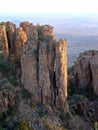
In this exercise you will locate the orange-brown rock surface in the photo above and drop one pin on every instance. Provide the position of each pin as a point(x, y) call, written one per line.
point(3, 41)
point(20, 39)
point(29, 65)
point(87, 70)
point(61, 74)
point(44, 67)
point(26, 26)
point(10, 29)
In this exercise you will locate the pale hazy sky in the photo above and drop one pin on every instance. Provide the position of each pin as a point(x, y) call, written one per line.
point(49, 6)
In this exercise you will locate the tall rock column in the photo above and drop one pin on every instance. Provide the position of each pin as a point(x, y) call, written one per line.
point(10, 29)
point(29, 65)
point(46, 63)
point(87, 70)
point(61, 75)
point(44, 67)
point(94, 71)
point(3, 41)
point(83, 69)
point(20, 39)
point(44, 77)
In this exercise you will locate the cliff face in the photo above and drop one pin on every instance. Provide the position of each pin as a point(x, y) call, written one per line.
point(87, 70)
point(3, 41)
point(25, 26)
point(12, 39)
point(43, 62)
point(94, 71)
point(20, 39)
point(36, 102)
point(10, 30)
point(61, 74)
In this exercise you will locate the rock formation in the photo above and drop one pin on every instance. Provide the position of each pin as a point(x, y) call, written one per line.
point(94, 71)
point(61, 74)
point(7, 94)
point(12, 39)
point(25, 26)
point(3, 41)
point(20, 39)
point(44, 67)
point(87, 70)
point(33, 95)
point(10, 29)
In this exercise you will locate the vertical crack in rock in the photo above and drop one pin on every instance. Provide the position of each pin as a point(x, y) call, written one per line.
point(44, 78)
point(29, 65)
point(44, 67)
point(3, 41)
point(10, 30)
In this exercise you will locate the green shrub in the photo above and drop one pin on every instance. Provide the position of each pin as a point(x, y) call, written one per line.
point(4, 65)
point(1, 46)
point(1, 115)
point(26, 94)
point(1, 128)
point(96, 125)
point(66, 117)
point(42, 38)
point(2, 23)
point(35, 53)
point(24, 125)
point(71, 69)
point(62, 117)
point(48, 126)
point(81, 127)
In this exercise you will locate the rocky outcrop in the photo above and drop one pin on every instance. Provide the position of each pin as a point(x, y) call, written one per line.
point(46, 63)
point(87, 70)
point(94, 71)
point(3, 41)
point(12, 39)
point(10, 29)
point(26, 26)
point(8, 94)
point(43, 61)
point(44, 67)
point(20, 39)
point(61, 74)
